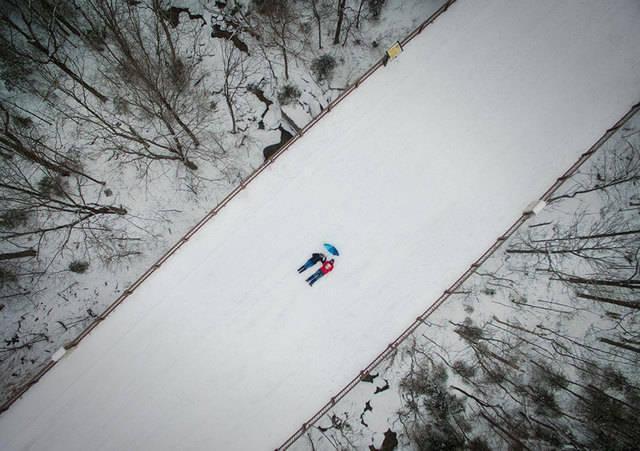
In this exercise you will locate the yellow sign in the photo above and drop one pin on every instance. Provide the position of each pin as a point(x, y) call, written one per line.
point(394, 50)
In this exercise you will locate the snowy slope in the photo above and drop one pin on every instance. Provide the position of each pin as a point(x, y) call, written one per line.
point(412, 177)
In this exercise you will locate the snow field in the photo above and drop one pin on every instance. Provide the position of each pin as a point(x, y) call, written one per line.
point(412, 177)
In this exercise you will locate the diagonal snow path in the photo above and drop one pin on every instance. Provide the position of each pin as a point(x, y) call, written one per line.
point(412, 177)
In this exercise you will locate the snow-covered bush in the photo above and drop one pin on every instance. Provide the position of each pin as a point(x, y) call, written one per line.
point(22, 122)
point(6, 276)
point(12, 219)
point(270, 7)
point(288, 94)
point(464, 369)
point(323, 67)
point(120, 105)
point(375, 8)
point(427, 397)
point(51, 186)
point(14, 70)
point(78, 266)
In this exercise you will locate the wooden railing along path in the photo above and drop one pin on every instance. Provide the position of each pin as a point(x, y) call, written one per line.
point(127, 292)
point(458, 283)
point(472, 268)
point(409, 330)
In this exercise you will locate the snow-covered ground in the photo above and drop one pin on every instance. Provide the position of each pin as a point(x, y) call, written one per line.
point(524, 320)
point(412, 177)
point(47, 304)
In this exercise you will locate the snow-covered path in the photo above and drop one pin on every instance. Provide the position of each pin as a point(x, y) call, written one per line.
point(412, 177)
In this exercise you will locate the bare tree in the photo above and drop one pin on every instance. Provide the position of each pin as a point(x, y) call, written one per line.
point(20, 137)
point(145, 56)
point(61, 204)
point(43, 191)
point(159, 110)
point(359, 13)
point(236, 73)
point(36, 31)
point(618, 170)
point(596, 251)
point(277, 28)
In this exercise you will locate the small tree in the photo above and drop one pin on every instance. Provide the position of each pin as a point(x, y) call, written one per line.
point(236, 72)
point(277, 27)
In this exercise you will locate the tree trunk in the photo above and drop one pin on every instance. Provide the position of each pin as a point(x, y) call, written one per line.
point(21, 254)
point(596, 188)
point(157, 10)
point(316, 14)
point(16, 146)
point(562, 251)
point(632, 284)
point(64, 68)
point(336, 38)
point(60, 19)
point(359, 12)
point(346, 34)
point(620, 345)
point(286, 63)
point(517, 443)
point(633, 305)
point(233, 116)
point(588, 237)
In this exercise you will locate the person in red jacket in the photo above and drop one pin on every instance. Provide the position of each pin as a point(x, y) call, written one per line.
point(325, 269)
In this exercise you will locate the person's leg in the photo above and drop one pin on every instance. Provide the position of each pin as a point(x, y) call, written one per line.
point(308, 264)
point(318, 275)
point(313, 277)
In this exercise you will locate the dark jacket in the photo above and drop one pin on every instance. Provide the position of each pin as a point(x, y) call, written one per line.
point(317, 257)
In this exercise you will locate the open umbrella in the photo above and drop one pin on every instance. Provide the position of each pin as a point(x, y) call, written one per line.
point(331, 248)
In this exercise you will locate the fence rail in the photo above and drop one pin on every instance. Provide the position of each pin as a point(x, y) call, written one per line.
point(409, 330)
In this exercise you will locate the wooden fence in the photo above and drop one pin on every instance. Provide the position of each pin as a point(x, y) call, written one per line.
point(409, 330)
point(457, 284)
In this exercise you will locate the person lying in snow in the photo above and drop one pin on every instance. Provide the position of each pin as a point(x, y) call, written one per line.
point(325, 269)
point(315, 258)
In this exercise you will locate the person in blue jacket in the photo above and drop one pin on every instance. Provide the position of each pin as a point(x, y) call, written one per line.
point(315, 258)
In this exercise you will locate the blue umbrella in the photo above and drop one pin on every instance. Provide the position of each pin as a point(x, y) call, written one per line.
point(331, 248)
